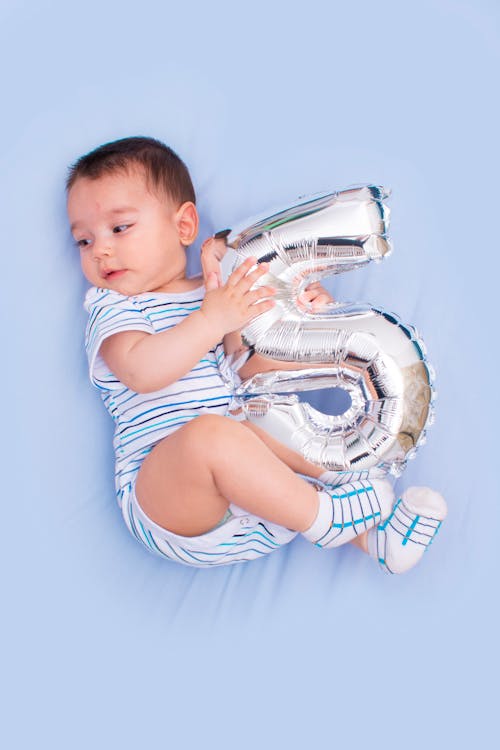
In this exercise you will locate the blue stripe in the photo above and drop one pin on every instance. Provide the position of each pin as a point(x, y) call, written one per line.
point(354, 523)
point(335, 496)
point(145, 535)
point(408, 533)
point(259, 533)
point(384, 524)
point(173, 309)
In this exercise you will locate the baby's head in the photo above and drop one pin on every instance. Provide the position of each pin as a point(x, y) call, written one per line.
point(132, 209)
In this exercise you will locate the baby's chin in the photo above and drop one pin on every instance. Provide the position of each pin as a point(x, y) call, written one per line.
point(120, 282)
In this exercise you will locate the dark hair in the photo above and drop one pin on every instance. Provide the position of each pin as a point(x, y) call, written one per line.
point(163, 169)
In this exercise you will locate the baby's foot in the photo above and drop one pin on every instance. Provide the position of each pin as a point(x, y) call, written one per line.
point(399, 542)
point(346, 512)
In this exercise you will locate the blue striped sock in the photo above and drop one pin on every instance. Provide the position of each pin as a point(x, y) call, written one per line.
point(400, 541)
point(347, 511)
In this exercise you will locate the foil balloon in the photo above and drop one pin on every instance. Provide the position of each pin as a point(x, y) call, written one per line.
point(366, 351)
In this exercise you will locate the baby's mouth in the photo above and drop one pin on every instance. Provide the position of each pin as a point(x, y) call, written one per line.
point(109, 275)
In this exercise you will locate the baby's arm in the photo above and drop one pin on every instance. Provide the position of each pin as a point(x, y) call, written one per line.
point(147, 362)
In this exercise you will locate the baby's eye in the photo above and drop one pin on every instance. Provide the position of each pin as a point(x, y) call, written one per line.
point(119, 228)
point(81, 243)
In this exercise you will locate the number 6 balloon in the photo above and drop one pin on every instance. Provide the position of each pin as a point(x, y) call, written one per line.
point(366, 351)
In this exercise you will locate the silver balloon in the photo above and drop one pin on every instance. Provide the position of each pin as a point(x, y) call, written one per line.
point(369, 353)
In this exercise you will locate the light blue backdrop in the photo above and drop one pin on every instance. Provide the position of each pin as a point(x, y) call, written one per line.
point(107, 646)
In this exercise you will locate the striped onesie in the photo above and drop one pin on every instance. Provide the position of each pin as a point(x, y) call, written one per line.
point(143, 419)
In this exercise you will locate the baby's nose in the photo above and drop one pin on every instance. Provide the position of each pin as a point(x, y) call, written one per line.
point(101, 249)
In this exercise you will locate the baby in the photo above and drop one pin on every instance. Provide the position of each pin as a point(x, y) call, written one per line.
point(195, 482)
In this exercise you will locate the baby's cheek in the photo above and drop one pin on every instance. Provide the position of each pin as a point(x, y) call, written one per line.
point(87, 268)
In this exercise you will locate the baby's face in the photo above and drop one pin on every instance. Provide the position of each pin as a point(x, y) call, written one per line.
point(130, 240)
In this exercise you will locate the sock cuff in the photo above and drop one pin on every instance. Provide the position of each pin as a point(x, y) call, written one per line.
point(323, 520)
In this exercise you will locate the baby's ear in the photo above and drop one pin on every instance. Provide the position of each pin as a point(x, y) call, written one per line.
point(187, 223)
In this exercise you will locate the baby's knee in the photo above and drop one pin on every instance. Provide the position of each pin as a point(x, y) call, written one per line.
point(207, 424)
point(207, 432)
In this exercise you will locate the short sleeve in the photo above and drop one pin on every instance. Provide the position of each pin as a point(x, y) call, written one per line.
point(109, 313)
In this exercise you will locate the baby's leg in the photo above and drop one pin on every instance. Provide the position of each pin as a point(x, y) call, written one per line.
point(187, 481)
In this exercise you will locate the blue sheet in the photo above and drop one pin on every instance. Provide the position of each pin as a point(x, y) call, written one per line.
point(108, 646)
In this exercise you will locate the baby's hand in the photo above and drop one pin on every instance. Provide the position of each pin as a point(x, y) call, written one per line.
point(315, 296)
point(230, 307)
point(212, 252)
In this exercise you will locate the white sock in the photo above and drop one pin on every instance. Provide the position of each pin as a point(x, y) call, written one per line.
point(400, 541)
point(350, 510)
